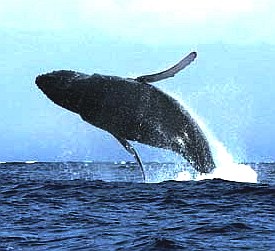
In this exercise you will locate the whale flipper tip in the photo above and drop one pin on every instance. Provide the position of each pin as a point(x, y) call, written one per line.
point(171, 72)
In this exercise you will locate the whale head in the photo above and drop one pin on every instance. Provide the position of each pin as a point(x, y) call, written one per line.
point(62, 88)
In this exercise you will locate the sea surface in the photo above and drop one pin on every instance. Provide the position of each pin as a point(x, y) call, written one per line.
point(106, 206)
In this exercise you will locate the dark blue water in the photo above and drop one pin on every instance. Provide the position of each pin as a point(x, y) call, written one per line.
point(65, 206)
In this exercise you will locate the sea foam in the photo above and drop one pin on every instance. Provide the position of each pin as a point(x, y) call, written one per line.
point(226, 167)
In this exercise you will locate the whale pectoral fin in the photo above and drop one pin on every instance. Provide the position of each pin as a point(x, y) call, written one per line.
point(130, 149)
point(170, 72)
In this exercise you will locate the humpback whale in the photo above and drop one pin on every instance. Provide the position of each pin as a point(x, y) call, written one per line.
point(132, 109)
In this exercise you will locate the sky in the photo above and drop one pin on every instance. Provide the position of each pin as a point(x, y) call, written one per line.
point(230, 86)
point(148, 21)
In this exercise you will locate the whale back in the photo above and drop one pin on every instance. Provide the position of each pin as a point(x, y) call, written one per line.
point(142, 112)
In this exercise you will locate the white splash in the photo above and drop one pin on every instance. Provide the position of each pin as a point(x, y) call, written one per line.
point(226, 167)
point(30, 161)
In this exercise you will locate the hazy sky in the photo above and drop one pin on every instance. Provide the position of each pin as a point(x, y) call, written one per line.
point(231, 84)
point(148, 21)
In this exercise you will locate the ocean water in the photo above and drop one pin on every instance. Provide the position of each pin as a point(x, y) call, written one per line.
point(106, 206)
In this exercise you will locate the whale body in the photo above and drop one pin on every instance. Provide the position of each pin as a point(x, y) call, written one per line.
point(132, 110)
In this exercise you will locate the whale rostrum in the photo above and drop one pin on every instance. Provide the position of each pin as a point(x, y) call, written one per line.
point(132, 109)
